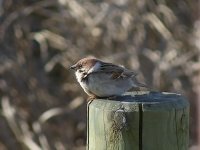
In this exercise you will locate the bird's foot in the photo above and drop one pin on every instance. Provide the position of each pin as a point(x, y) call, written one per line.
point(90, 99)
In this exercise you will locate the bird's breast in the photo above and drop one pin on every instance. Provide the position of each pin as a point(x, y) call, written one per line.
point(104, 85)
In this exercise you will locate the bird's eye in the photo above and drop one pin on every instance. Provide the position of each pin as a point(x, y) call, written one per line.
point(80, 70)
point(80, 66)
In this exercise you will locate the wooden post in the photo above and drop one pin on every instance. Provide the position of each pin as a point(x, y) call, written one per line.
point(145, 121)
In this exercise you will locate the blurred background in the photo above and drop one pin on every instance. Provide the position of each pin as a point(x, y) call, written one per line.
point(41, 104)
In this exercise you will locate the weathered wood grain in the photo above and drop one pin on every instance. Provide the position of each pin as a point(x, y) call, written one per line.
point(145, 121)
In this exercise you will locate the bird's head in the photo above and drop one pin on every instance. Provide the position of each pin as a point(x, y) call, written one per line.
point(85, 66)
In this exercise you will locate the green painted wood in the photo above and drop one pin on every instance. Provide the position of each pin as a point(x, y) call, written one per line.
point(139, 121)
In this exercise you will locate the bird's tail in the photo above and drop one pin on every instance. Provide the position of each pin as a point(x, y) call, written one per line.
point(136, 83)
point(141, 85)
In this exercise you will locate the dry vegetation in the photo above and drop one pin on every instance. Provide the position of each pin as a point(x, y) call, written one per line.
point(42, 106)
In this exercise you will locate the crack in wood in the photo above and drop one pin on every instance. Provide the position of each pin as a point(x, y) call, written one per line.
point(140, 126)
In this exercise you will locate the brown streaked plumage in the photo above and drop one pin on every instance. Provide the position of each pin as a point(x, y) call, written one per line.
point(102, 79)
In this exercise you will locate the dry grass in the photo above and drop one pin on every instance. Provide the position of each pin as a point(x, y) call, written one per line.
point(42, 106)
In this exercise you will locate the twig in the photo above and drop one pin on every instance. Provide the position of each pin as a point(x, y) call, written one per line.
point(9, 114)
point(23, 12)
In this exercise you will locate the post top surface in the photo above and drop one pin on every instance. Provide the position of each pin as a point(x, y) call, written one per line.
point(147, 99)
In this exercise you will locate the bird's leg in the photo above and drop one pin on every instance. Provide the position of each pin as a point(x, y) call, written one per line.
point(90, 99)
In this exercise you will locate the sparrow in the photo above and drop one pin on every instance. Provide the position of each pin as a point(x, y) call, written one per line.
point(101, 79)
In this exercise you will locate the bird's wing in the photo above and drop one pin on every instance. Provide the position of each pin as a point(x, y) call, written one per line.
point(116, 71)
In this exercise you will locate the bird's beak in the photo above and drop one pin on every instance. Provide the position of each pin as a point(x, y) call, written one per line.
point(73, 67)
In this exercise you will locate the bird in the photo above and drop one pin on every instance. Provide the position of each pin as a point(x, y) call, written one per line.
point(101, 79)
